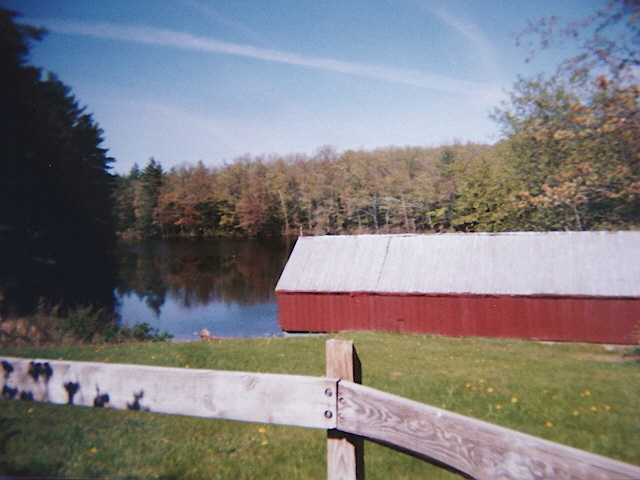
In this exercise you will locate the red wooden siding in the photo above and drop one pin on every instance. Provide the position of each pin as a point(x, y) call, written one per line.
point(580, 286)
point(585, 319)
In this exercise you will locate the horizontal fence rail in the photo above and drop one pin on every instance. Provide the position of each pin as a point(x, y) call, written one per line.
point(348, 410)
point(479, 449)
point(251, 397)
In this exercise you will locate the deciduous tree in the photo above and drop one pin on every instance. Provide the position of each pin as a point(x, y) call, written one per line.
point(575, 136)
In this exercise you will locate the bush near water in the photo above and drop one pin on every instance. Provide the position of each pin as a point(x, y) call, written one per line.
point(79, 325)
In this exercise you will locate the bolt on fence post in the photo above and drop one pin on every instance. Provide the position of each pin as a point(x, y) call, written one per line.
point(345, 452)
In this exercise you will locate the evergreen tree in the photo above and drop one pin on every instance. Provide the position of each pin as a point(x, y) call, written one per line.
point(146, 199)
point(56, 225)
point(124, 199)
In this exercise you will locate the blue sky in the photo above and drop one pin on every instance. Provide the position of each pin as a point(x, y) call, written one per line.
point(211, 80)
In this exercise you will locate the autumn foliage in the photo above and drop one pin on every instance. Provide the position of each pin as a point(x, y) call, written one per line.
point(387, 190)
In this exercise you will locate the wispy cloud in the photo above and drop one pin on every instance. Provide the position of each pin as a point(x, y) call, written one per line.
point(224, 20)
point(478, 40)
point(169, 38)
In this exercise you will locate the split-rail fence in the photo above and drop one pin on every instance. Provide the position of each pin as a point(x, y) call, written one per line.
point(338, 403)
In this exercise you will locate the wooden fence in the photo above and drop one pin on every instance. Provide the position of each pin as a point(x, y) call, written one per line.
point(349, 411)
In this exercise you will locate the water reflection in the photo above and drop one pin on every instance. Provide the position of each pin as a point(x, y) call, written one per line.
point(181, 287)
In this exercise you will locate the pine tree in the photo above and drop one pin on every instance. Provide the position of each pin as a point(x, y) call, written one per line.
point(56, 225)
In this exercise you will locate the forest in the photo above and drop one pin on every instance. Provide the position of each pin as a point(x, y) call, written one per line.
point(569, 178)
point(410, 189)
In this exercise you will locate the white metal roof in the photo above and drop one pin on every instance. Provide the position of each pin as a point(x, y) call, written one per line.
point(520, 263)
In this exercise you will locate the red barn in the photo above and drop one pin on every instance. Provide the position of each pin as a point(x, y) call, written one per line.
point(576, 286)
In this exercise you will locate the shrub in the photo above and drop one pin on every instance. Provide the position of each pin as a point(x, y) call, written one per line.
point(78, 325)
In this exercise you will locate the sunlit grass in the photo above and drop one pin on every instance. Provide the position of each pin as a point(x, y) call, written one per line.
point(577, 394)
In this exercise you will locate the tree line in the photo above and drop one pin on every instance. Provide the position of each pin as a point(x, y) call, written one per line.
point(393, 189)
point(528, 182)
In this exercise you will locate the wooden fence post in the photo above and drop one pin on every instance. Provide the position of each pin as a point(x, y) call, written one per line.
point(345, 452)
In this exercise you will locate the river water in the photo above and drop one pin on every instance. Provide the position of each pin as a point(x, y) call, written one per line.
point(181, 287)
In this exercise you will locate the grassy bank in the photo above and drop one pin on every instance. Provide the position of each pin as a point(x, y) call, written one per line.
point(581, 395)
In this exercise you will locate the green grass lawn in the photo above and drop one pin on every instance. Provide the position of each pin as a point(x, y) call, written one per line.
point(577, 394)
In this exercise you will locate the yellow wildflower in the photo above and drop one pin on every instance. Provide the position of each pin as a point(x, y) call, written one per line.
point(490, 389)
point(514, 400)
point(576, 413)
point(549, 424)
point(262, 430)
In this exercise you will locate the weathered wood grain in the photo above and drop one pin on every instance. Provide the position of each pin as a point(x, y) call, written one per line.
point(340, 359)
point(479, 449)
point(345, 453)
point(252, 397)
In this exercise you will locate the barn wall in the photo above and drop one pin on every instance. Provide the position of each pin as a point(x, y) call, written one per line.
point(604, 320)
